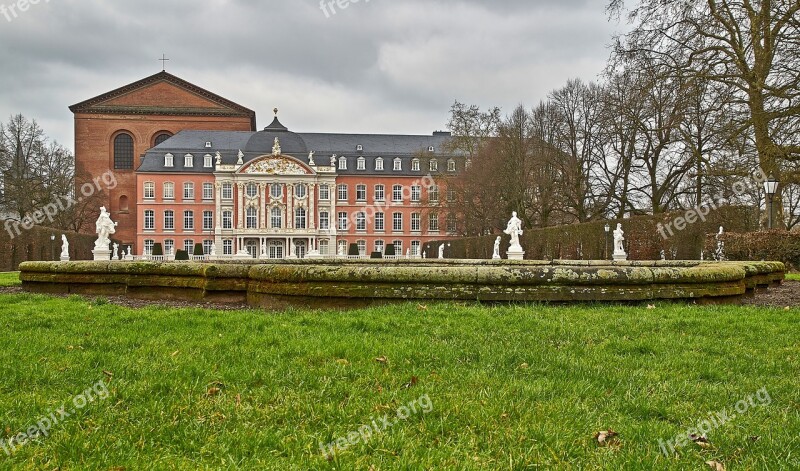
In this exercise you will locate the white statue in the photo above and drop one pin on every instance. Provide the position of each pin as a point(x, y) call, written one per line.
point(663, 254)
point(128, 254)
point(719, 254)
point(441, 252)
point(619, 250)
point(276, 147)
point(424, 254)
point(116, 252)
point(496, 255)
point(514, 229)
point(311, 159)
point(213, 252)
point(341, 251)
point(105, 227)
point(333, 160)
point(263, 249)
point(408, 253)
point(64, 248)
point(240, 160)
point(219, 158)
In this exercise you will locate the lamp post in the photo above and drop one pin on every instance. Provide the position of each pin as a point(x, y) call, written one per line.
point(608, 230)
point(770, 187)
point(52, 240)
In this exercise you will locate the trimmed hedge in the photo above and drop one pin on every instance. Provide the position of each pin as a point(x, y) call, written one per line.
point(353, 251)
point(774, 245)
point(390, 250)
point(589, 241)
point(198, 249)
point(18, 244)
point(158, 249)
point(181, 255)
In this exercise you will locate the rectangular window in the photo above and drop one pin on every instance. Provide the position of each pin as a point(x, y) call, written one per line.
point(397, 193)
point(208, 161)
point(227, 247)
point(208, 191)
point(380, 246)
point(416, 194)
point(398, 247)
point(415, 245)
point(361, 221)
point(379, 164)
point(451, 223)
point(434, 165)
point(415, 222)
point(207, 246)
point(433, 222)
point(148, 246)
point(169, 191)
point(380, 193)
point(451, 195)
point(149, 220)
point(398, 165)
point(188, 220)
point(342, 192)
point(227, 191)
point(362, 164)
point(276, 190)
point(227, 219)
point(188, 160)
point(397, 222)
point(276, 217)
point(149, 190)
point(169, 247)
point(208, 220)
point(324, 192)
point(415, 165)
point(188, 246)
point(433, 194)
point(380, 222)
point(341, 219)
point(451, 165)
point(361, 192)
point(362, 247)
point(169, 220)
point(342, 163)
point(188, 191)
point(324, 220)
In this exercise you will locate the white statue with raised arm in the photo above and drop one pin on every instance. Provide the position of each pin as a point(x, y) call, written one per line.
point(514, 229)
point(619, 249)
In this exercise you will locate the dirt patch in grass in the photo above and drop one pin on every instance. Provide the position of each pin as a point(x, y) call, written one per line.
point(785, 295)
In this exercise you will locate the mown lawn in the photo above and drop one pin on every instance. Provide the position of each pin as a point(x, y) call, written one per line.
point(9, 279)
point(522, 387)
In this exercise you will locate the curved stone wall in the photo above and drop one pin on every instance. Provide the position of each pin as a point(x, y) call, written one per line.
point(338, 283)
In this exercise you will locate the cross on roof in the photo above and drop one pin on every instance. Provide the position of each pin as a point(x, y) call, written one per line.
point(163, 62)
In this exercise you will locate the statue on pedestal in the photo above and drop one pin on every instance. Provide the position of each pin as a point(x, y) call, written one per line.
point(64, 248)
point(514, 229)
point(441, 252)
point(311, 159)
point(105, 227)
point(116, 252)
point(619, 249)
point(496, 255)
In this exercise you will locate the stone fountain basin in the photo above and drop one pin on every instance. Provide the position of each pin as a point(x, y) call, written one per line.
point(354, 283)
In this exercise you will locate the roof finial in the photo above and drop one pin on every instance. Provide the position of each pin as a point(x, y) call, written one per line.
point(276, 112)
point(163, 62)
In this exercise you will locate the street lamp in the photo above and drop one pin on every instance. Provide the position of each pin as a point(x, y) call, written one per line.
point(770, 187)
point(52, 239)
point(608, 230)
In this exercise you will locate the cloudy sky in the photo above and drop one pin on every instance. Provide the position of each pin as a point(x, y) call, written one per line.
point(390, 66)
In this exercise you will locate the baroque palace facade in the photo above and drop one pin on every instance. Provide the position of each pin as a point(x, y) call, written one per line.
point(192, 169)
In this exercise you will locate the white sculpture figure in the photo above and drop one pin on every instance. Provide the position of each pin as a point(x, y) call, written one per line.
point(116, 252)
point(496, 255)
point(311, 159)
point(663, 255)
point(240, 160)
point(276, 147)
point(408, 253)
point(424, 254)
point(341, 251)
point(514, 229)
point(128, 255)
point(213, 252)
point(441, 252)
point(219, 158)
point(719, 254)
point(263, 249)
point(64, 248)
point(104, 227)
point(619, 250)
point(333, 160)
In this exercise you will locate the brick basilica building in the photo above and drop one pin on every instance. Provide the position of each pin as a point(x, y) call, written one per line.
point(193, 169)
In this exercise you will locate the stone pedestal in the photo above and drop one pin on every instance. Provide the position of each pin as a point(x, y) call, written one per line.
point(102, 255)
point(128, 258)
point(65, 258)
point(620, 257)
point(516, 253)
point(243, 255)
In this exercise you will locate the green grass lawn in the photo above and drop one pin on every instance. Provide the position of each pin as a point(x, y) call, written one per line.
point(503, 387)
point(793, 276)
point(9, 279)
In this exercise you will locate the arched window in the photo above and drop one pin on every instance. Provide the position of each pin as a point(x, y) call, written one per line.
point(123, 203)
point(161, 137)
point(276, 218)
point(123, 152)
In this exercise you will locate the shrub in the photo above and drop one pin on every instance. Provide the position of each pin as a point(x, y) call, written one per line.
point(181, 255)
point(158, 250)
point(376, 255)
point(390, 251)
point(353, 250)
point(773, 246)
point(198, 249)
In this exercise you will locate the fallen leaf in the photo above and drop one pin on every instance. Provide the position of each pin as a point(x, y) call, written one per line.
point(715, 465)
point(787, 308)
point(524, 366)
point(701, 440)
point(175, 353)
point(108, 373)
point(755, 438)
point(382, 359)
point(342, 361)
point(651, 306)
point(605, 437)
point(422, 307)
point(503, 415)
point(238, 400)
point(213, 391)
point(413, 382)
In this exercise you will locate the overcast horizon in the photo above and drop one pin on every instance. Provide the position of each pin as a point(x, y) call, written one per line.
point(373, 67)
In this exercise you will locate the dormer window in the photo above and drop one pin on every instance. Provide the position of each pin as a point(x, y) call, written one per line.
point(451, 165)
point(188, 160)
point(398, 165)
point(434, 165)
point(431, 149)
point(362, 163)
point(415, 165)
point(169, 160)
point(208, 144)
point(359, 148)
point(342, 163)
point(379, 164)
point(208, 161)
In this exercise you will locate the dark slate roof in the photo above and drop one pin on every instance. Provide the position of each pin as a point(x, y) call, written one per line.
point(298, 145)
